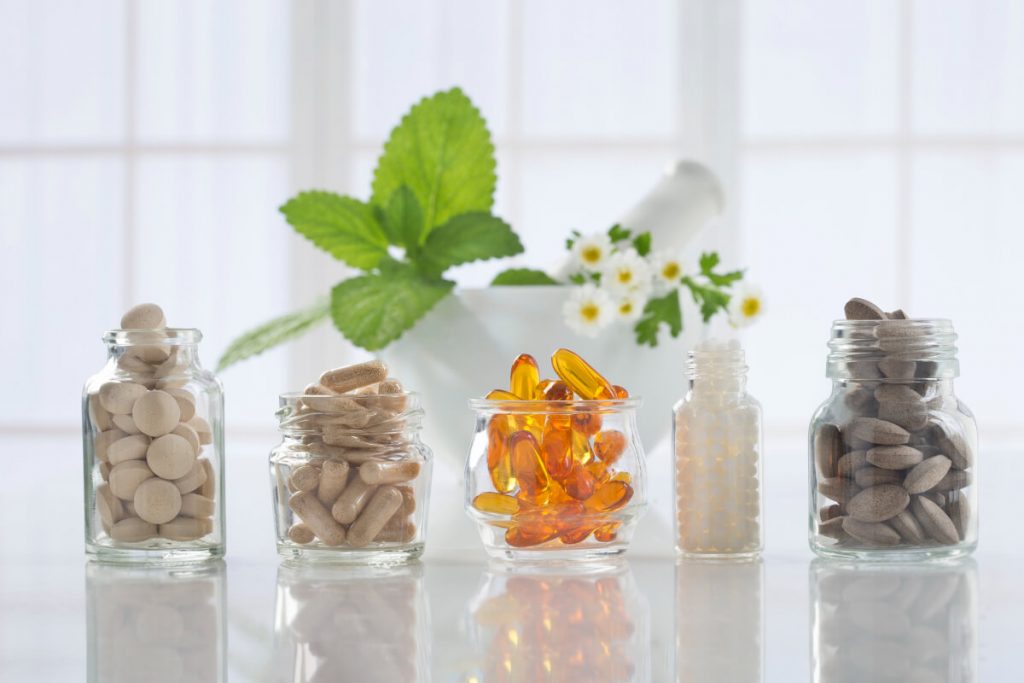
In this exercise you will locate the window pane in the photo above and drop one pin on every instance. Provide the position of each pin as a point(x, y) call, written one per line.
point(213, 71)
point(967, 216)
point(599, 72)
point(62, 74)
point(819, 228)
point(212, 248)
point(405, 50)
point(818, 67)
point(61, 261)
point(969, 67)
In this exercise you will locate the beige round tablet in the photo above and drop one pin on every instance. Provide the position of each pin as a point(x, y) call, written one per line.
point(125, 423)
point(189, 434)
point(186, 402)
point(103, 440)
point(170, 457)
point(186, 528)
point(144, 317)
point(157, 501)
point(126, 477)
point(195, 478)
point(195, 505)
point(132, 530)
point(156, 413)
point(202, 428)
point(119, 397)
point(129, 448)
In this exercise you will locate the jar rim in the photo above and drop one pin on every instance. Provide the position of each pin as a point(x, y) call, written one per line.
point(299, 395)
point(556, 407)
point(171, 336)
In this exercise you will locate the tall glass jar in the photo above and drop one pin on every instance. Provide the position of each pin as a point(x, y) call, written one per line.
point(153, 439)
point(717, 436)
point(351, 478)
point(556, 479)
point(892, 449)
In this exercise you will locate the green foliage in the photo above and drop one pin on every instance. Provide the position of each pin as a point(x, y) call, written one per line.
point(659, 310)
point(272, 333)
point(642, 243)
point(523, 276)
point(617, 233)
point(468, 237)
point(708, 262)
point(402, 219)
point(344, 227)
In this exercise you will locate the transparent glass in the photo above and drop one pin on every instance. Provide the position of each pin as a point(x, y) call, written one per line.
point(539, 624)
point(896, 622)
point(350, 478)
point(549, 480)
point(893, 450)
point(367, 624)
point(157, 624)
point(717, 436)
point(180, 440)
point(720, 620)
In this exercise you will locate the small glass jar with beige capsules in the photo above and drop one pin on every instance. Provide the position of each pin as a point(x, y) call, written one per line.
point(153, 439)
point(350, 477)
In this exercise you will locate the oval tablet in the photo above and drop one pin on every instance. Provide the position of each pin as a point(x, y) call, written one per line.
point(126, 477)
point(156, 413)
point(878, 503)
point(144, 317)
point(927, 474)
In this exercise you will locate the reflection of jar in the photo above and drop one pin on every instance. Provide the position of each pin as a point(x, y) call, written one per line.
point(716, 603)
point(367, 624)
point(560, 626)
point(152, 426)
point(892, 450)
point(350, 478)
point(152, 624)
point(914, 622)
point(556, 479)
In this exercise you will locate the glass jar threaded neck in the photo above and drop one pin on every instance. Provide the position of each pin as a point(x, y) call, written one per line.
point(717, 366)
point(892, 349)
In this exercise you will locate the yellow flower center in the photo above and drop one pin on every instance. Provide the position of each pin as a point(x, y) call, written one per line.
point(626, 307)
point(625, 276)
point(671, 271)
point(750, 307)
point(591, 254)
point(590, 312)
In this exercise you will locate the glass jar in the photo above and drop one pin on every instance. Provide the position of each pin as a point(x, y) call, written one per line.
point(892, 450)
point(717, 437)
point(351, 478)
point(559, 625)
point(895, 622)
point(157, 623)
point(153, 437)
point(556, 479)
point(367, 624)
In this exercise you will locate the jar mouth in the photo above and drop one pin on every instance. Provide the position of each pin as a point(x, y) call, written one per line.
point(521, 406)
point(857, 346)
point(169, 336)
point(306, 414)
point(293, 397)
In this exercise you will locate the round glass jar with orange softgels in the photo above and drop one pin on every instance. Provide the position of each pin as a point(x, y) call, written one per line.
point(557, 471)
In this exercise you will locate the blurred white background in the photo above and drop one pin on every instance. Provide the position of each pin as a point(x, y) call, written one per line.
point(869, 148)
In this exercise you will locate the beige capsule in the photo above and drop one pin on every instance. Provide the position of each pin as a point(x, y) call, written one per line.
point(145, 316)
point(389, 471)
point(927, 474)
point(352, 456)
point(126, 477)
point(307, 508)
point(195, 479)
point(118, 398)
point(186, 403)
point(202, 428)
point(157, 501)
point(156, 413)
point(109, 506)
point(301, 534)
point(384, 504)
point(196, 505)
point(304, 478)
point(317, 389)
point(399, 529)
point(874, 533)
point(129, 448)
point(101, 444)
point(100, 418)
point(170, 456)
point(408, 499)
point(336, 435)
point(189, 434)
point(333, 478)
point(349, 378)
point(132, 530)
point(878, 503)
point(186, 528)
point(352, 500)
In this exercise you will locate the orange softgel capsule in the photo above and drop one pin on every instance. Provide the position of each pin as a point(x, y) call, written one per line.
point(499, 458)
point(610, 496)
point(583, 379)
point(579, 483)
point(557, 448)
point(496, 503)
point(524, 377)
point(609, 445)
point(527, 463)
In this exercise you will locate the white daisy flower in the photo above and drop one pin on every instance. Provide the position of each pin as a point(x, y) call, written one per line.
point(588, 310)
point(746, 305)
point(591, 251)
point(626, 272)
point(668, 270)
point(630, 307)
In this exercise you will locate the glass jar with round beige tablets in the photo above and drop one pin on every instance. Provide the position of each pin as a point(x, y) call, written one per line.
point(152, 427)
point(350, 478)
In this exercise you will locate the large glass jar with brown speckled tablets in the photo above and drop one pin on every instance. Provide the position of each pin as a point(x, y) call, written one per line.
point(893, 451)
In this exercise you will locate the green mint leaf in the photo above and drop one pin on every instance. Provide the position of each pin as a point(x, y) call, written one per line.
point(467, 237)
point(726, 279)
point(708, 297)
point(708, 261)
point(272, 333)
point(659, 310)
point(523, 276)
point(402, 219)
point(345, 228)
point(578, 278)
point(443, 152)
point(571, 239)
point(374, 310)
point(617, 233)
point(642, 243)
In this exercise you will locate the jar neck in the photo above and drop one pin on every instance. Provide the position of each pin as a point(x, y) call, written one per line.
point(717, 367)
point(892, 350)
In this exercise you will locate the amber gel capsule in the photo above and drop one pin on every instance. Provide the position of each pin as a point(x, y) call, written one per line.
point(581, 377)
point(524, 377)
